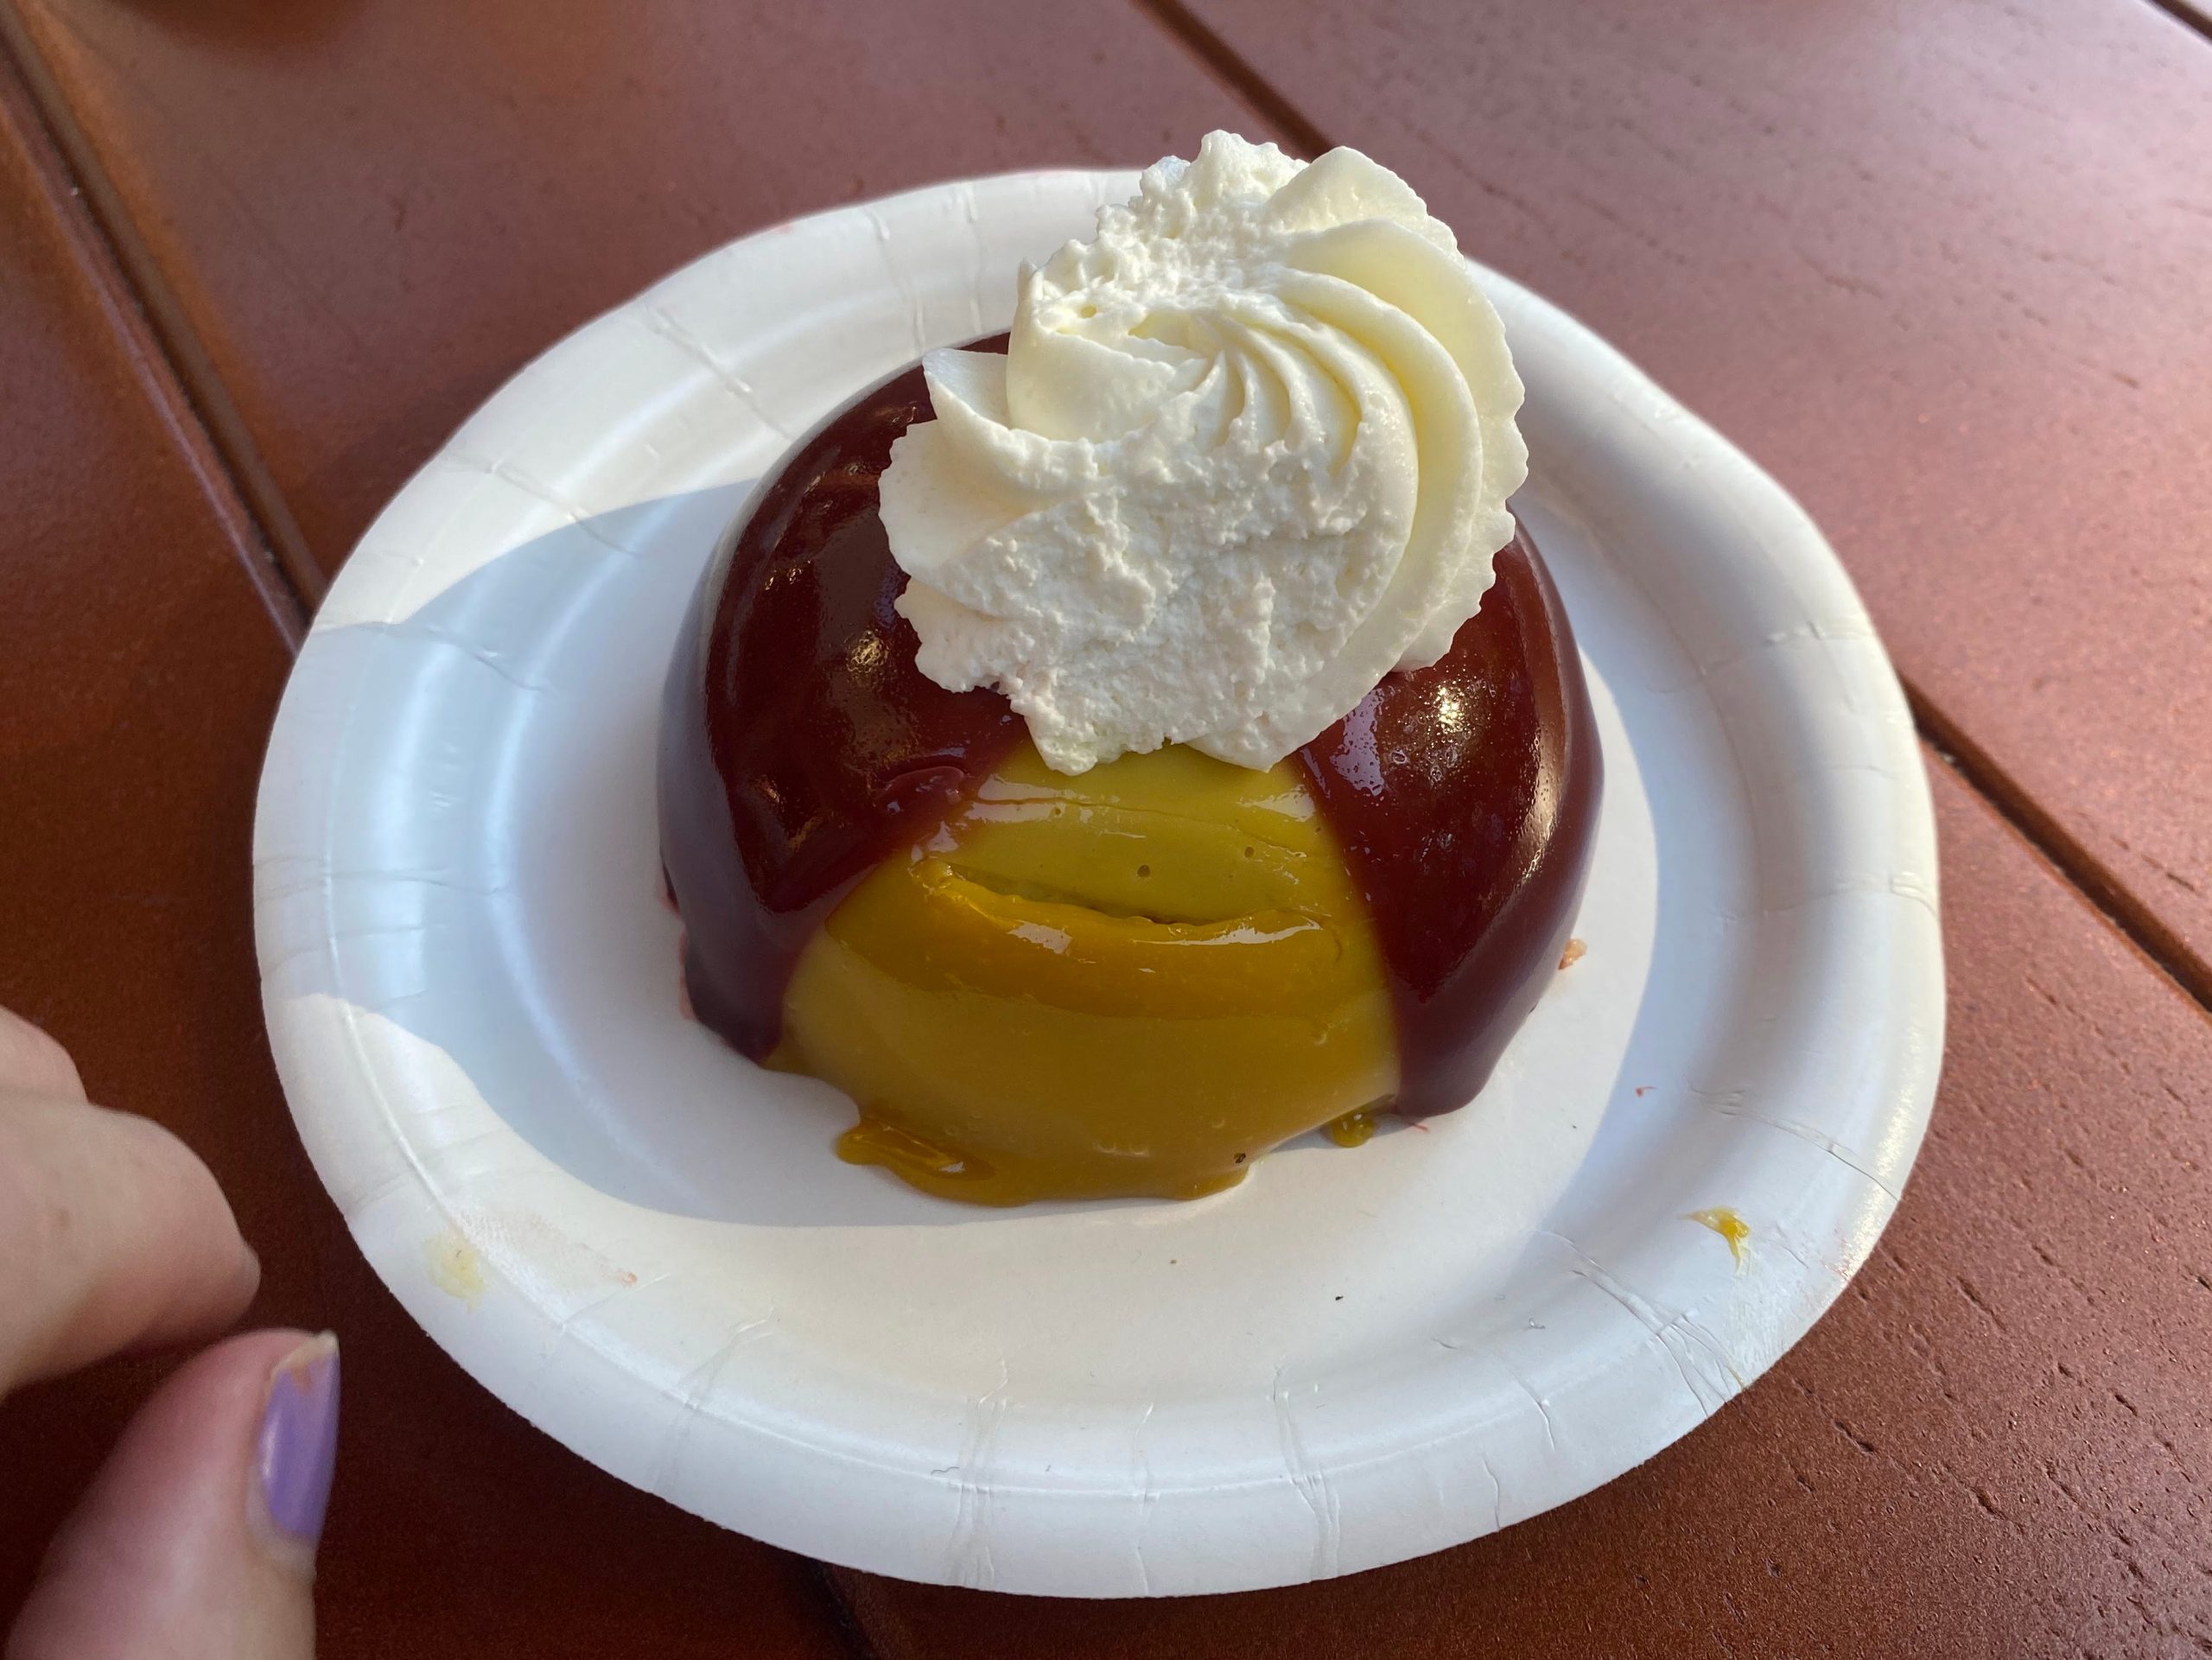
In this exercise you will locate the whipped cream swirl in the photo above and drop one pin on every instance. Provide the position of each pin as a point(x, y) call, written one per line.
point(1248, 452)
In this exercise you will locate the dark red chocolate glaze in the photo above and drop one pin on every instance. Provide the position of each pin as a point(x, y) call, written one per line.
point(800, 746)
point(1465, 796)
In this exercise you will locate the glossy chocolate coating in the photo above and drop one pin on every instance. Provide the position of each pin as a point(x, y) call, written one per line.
point(800, 746)
point(1464, 797)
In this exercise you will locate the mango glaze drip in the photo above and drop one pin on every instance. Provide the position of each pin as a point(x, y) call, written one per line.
point(1132, 982)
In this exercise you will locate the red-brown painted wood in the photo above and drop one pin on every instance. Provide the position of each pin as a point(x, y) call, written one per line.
point(1998, 1443)
point(1939, 264)
point(373, 211)
point(139, 667)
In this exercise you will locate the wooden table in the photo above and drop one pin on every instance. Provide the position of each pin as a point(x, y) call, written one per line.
point(1944, 266)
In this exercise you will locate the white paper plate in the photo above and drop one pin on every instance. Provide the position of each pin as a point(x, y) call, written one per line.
point(645, 1245)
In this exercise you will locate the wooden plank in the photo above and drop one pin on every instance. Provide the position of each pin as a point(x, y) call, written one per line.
point(1940, 267)
point(1998, 1443)
point(140, 665)
point(367, 215)
point(371, 212)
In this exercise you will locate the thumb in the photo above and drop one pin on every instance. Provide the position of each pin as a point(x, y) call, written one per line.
point(196, 1540)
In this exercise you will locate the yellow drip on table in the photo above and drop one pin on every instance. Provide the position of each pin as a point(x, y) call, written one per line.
point(1134, 981)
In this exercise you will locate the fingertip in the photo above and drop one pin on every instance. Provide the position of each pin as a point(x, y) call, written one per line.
point(34, 1061)
point(116, 1237)
point(169, 1551)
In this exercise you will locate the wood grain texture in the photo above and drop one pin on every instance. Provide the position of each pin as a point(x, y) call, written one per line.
point(1938, 265)
point(140, 665)
point(371, 212)
point(1941, 266)
point(1998, 1443)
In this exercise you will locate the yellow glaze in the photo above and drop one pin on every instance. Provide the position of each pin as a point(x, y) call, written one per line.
point(1133, 982)
point(1353, 1129)
point(1730, 1226)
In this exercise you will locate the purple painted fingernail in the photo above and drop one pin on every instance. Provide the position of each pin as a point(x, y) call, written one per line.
point(297, 1452)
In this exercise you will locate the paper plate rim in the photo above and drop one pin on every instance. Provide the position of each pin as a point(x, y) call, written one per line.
point(511, 1341)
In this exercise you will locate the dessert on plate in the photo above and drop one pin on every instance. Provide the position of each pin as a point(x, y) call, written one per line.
point(1115, 748)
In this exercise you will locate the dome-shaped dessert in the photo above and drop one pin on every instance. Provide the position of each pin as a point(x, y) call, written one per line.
point(1136, 974)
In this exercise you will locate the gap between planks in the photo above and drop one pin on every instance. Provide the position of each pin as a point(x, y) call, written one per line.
point(2165, 950)
point(2065, 851)
point(209, 430)
point(211, 434)
point(175, 368)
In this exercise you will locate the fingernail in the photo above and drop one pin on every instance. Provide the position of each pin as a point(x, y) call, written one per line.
point(297, 1452)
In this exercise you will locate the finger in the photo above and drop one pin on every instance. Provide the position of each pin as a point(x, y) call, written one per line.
point(34, 1063)
point(114, 1236)
point(197, 1538)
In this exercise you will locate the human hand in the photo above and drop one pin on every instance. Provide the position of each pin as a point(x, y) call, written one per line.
point(197, 1537)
